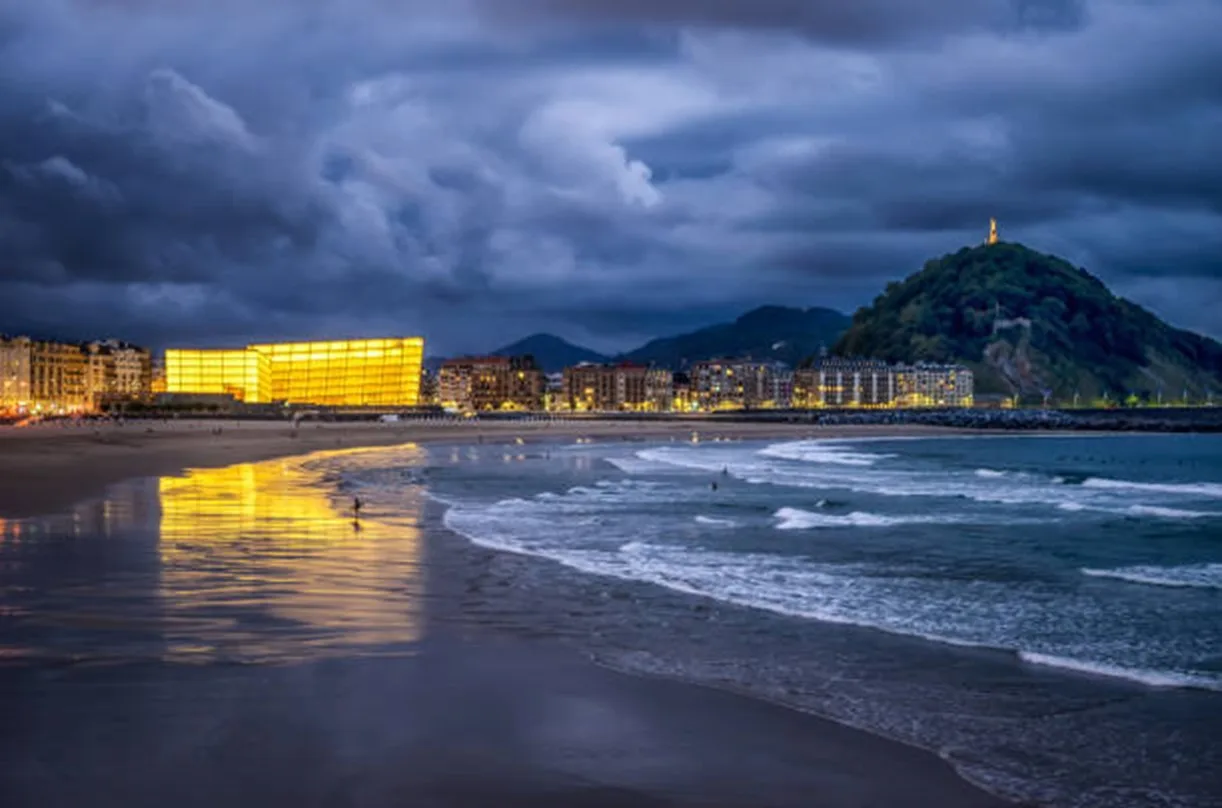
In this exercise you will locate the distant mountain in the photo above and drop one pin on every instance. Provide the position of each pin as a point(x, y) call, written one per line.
point(551, 352)
point(1026, 323)
point(769, 332)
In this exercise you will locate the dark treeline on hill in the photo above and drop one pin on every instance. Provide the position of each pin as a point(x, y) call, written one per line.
point(767, 333)
point(1027, 323)
point(552, 353)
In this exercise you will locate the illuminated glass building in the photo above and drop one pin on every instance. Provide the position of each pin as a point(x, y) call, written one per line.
point(244, 374)
point(352, 373)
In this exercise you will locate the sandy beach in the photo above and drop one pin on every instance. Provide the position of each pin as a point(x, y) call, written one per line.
point(51, 466)
point(480, 713)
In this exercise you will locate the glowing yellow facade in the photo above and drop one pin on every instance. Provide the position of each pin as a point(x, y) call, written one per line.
point(244, 374)
point(359, 373)
point(349, 373)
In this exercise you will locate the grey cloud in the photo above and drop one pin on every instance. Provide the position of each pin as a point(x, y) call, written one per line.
point(229, 173)
point(860, 23)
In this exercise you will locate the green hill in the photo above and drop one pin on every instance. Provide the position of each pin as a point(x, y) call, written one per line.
point(769, 332)
point(1027, 322)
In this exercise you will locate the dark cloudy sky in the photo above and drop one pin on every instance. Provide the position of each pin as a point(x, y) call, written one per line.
point(215, 171)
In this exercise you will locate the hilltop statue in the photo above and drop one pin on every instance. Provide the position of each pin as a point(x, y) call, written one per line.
point(992, 232)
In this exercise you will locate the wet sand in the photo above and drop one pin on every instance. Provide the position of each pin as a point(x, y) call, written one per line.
point(51, 466)
point(461, 724)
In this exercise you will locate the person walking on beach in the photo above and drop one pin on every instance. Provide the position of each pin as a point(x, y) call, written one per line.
point(356, 508)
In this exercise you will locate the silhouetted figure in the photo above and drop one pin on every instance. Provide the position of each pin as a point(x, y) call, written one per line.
point(713, 485)
point(356, 508)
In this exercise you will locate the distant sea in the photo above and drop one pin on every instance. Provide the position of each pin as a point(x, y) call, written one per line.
point(1045, 612)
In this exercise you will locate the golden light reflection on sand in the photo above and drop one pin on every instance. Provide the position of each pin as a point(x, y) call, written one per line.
point(265, 559)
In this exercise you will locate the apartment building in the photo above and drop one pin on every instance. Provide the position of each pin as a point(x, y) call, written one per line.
point(844, 383)
point(58, 377)
point(43, 376)
point(932, 385)
point(741, 384)
point(486, 383)
point(116, 372)
point(623, 387)
point(15, 356)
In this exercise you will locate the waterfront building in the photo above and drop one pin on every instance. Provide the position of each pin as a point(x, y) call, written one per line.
point(157, 382)
point(621, 387)
point(553, 392)
point(241, 373)
point(659, 392)
point(833, 382)
point(345, 373)
point(428, 388)
point(116, 372)
point(782, 382)
point(44, 376)
point(932, 385)
point(719, 384)
point(844, 383)
point(58, 377)
point(15, 356)
point(486, 383)
point(682, 399)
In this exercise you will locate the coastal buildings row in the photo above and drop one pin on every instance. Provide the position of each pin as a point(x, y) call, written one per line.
point(55, 377)
point(43, 376)
point(482, 384)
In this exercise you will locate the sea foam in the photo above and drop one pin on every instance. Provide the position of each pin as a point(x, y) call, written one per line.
point(1183, 489)
point(798, 519)
point(822, 452)
point(1150, 678)
point(1201, 576)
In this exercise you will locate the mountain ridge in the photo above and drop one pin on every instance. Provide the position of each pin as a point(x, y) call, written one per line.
point(769, 332)
point(781, 333)
point(552, 353)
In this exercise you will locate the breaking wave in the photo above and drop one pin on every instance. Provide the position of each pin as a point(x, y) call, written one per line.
point(822, 452)
point(1201, 576)
point(798, 519)
point(1150, 678)
point(1184, 489)
point(715, 522)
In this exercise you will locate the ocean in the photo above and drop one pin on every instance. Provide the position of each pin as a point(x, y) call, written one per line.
point(1044, 611)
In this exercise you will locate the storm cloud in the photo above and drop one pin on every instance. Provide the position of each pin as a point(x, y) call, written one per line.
point(222, 172)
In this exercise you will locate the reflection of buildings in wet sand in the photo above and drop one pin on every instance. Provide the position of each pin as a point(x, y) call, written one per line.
point(122, 509)
point(277, 568)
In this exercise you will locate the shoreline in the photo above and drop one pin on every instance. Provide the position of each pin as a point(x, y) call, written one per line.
point(51, 467)
point(477, 559)
point(467, 566)
point(655, 741)
point(514, 610)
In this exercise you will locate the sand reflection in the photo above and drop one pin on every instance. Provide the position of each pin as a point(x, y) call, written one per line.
point(264, 560)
